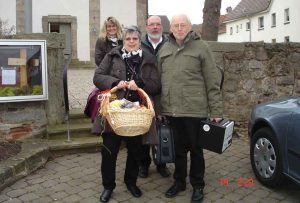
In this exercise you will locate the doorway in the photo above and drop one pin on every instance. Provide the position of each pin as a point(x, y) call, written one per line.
point(67, 25)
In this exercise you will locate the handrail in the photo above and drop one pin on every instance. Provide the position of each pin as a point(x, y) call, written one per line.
point(66, 97)
point(65, 82)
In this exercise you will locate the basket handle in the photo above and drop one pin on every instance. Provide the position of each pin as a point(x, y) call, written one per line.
point(149, 102)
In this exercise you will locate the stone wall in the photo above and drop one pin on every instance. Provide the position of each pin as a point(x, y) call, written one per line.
point(26, 119)
point(254, 73)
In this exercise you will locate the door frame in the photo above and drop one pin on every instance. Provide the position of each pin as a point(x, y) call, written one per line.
point(63, 19)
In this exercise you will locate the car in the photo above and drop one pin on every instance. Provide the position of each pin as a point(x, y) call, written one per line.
point(274, 137)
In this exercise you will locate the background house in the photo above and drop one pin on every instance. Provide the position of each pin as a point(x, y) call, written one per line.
point(222, 28)
point(263, 20)
point(80, 20)
point(165, 23)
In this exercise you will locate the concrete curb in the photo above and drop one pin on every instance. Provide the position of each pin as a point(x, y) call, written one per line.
point(34, 154)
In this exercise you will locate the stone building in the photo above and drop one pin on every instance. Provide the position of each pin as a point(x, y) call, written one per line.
point(79, 20)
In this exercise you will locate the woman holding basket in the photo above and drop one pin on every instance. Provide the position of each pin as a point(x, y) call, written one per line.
point(128, 68)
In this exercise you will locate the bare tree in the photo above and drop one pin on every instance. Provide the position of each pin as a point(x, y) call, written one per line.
point(211, 15)
point(6, 31)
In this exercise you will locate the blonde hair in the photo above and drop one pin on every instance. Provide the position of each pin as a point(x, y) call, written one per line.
point(114, 21)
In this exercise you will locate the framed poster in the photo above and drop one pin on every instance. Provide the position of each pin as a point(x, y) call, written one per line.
point(23, 70)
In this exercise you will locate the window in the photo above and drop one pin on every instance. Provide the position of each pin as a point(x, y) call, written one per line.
point(286, 16)
point(237, 29)
point(286, 39)
point(248, 26)
point(54, 27)
point(273, 23)
point(23, 70)
point(261, 23)
point(231, 30)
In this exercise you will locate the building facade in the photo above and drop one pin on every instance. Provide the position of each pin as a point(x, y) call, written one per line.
point(269, 21)
point(80, 20)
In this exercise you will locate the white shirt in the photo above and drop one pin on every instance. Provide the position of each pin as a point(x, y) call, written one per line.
point(154, 45)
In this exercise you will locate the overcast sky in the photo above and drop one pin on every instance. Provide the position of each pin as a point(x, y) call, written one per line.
point(193, 8)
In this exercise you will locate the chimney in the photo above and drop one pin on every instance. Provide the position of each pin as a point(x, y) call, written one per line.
point(228, 9)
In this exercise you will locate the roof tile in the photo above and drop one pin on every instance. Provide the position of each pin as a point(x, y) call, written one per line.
point(247, 7)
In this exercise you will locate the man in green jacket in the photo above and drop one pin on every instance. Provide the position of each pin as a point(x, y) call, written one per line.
point(190, 94)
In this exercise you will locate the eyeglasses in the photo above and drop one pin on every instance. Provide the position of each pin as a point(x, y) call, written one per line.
point(180, 25)
point(131, 39)
point(154, 25)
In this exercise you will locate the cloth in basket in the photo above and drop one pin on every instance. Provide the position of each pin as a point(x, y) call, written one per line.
point(128, 122)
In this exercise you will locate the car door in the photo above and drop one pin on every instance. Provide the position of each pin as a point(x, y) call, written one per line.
point(293, 149)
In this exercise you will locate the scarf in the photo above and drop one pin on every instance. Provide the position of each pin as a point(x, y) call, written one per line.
point(113, 40)
point(133, 59)
point(132, 54)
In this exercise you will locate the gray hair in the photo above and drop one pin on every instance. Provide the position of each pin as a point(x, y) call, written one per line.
point(132, 29)
point(187, 18)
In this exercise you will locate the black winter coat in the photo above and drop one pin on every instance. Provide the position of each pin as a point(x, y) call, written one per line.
point(113, 69)
point(103, 46)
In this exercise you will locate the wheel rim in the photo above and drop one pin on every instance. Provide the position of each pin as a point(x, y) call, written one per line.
point(264, 158)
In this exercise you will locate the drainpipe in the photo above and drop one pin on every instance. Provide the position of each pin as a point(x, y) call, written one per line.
point(250, 27)
point(28, 16)
point(249, 20)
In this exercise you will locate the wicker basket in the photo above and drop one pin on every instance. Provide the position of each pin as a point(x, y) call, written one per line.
point(128, 122)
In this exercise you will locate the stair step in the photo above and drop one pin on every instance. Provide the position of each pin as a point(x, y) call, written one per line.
point(75, 130)
point(77, 116)
point(63, 146)
point(75, 113)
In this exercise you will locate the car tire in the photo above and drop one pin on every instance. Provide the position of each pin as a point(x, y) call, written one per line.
point(266, 160)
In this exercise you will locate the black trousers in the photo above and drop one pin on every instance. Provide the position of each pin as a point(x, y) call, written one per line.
point(110, 152)
point(146, 159)
point(186, 133)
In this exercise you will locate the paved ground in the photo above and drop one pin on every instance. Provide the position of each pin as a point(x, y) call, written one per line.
point(77, 178)
point(80, 84)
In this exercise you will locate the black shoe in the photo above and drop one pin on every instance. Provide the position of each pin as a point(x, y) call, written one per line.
point(134, 190)
point(163, 171)
point(197, 195)
point(174, 190)
point(143, 171)
point(105, 196)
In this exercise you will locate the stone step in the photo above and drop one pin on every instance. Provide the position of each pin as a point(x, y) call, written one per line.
point(73, 136)
point(78, 126)
point(62, 146)
point(36, 152)
point(77, 116)
point(74, 129)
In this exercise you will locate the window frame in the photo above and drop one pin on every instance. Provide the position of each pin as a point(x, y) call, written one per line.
point(23, 65)
point(287, 16)
point(248, 26)
point(273, 20)
point(287, 39)
point(261, 23)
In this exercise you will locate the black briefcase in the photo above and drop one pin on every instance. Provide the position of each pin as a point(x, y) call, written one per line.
point(216, 137)
point(164, 152)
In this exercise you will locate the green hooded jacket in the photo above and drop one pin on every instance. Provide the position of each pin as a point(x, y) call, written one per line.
point(190, 79)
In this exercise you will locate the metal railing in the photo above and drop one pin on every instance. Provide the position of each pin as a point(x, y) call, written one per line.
point(66, 97)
